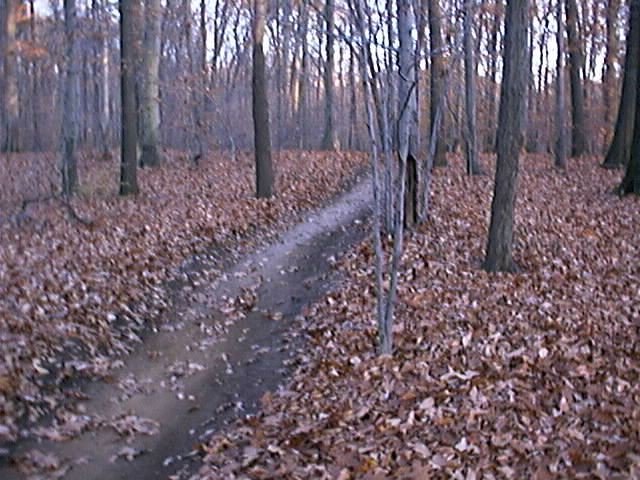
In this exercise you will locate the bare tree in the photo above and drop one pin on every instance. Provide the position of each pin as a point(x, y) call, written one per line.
point(515, 75)
point(471, 147)
point(70, 117)
point(561, 141)
point(579, 145)
point(407, 112)
point(151, 154)
point(329, 138)
point(262, 135)
point(11, 140)
point(620, 148)
point(609, 73)
point(631, 180)
point(438, 87)
point(129, 22)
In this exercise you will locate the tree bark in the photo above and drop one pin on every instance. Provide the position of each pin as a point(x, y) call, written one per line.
point(151, 154)
point(631, 181)
point(471, 147)
point(510, 137)
point(407, 106)
point(438, 88)
point(609, 74)
point(492, 87)
point(129, 22)
point(620, 149)
point(70, 115)
point(329, 138)
point(579, 145)
point(11, 140)
point(262, 136)
point(304, 76)
point(561, 146)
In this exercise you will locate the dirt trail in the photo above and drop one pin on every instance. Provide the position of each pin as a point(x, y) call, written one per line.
point(201, 375)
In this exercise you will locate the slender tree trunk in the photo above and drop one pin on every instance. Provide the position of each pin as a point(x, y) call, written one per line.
point(579, 145)
point(304, 76)
point(471, 147)
point(609, 74)
point(70, 116)
point(620, 149)
point(106, 89)
point(151, 154)
point(262, 136)
point(11, 140)
point(329, 138)
point(354, 143)
point(561, 141)
point(407, 105)
point(510, 137)
point(492, 87)
point(129, 22)
point(34, 78)
point(438, 88)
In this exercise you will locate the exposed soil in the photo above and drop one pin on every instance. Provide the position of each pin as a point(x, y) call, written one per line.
point(222, 350)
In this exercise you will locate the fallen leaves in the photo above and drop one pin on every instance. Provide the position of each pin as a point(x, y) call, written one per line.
point(526, 375)
point(73, 298)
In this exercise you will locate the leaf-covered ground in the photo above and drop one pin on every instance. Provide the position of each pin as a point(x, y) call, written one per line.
point(527, 375)
point(73, 297)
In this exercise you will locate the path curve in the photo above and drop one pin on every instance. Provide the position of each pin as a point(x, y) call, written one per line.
point(212, 384)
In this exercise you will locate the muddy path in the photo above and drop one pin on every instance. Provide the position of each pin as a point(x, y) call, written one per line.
point(221, 351)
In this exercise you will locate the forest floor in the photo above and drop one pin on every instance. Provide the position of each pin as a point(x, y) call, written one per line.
point(527, 375)
point(534, 374)
point(76, 295)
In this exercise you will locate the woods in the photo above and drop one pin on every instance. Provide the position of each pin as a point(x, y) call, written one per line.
point(151, 149)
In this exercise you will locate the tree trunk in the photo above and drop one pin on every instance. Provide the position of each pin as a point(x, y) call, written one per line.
point(561, 146)
point(70, 115)
point(106, 90)
point(151, 154)
point(609, 74)
point(34, 79)
point(620, 149)
point(329, 139)
point(510, 137)
point(471, 147)
point(579, 144)
point(129, 23)
point(11, 140)
point(407, 106)
point(631, 181)
point(304, 74)
point(262, 136)
point(438, 88)
point(492, 87)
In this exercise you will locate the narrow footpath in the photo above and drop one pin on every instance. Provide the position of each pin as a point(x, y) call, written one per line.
point(194, 376)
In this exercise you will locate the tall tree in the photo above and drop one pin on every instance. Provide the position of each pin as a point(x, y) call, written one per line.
point(631, 181)
point(151, 154)
point(11, 134)
point(329, 138)
point(470, 137)
point(620, 149)
point(438, 87)
point(70, 115)
point(129, 16)
point(407, 108)
point(515, 76)
point(261, 130)
point(579, 144)
point(561, 147)
point(609, 73)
